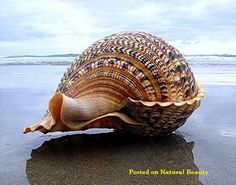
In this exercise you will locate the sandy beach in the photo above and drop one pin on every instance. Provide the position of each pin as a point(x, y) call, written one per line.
point(207, 142)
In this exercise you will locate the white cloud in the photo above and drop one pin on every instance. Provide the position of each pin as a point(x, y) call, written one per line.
point(54, 17)
point(205, 46)
point(196, 9)
point(149, 12)
point(55, 26)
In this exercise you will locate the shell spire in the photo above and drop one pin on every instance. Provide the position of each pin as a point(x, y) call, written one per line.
point(130, 80)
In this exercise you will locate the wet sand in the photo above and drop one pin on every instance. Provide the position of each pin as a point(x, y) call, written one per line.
point(112, 158)
point(206, 142)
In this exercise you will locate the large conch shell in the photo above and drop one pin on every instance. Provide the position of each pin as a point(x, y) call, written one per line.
point(130, 80)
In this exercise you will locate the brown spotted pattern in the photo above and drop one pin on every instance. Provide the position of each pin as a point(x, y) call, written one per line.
point(145, 67)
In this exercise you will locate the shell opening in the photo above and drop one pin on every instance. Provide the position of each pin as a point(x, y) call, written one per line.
point(67, 114)
point(51, 120)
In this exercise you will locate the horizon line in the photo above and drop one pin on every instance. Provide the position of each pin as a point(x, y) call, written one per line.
point(75, 55)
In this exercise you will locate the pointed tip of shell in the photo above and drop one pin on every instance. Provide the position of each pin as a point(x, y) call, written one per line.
point(44, 126)
point(26, 130)
point(33, 128)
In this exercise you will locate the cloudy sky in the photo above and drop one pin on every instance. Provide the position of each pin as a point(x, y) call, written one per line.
point(56, 26)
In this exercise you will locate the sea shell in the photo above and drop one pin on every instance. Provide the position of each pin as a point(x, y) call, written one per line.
point(130, 80)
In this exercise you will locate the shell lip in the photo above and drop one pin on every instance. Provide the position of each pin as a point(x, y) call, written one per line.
point(197, 98)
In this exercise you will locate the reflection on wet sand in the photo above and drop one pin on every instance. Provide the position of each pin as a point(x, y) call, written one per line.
point(107, 158)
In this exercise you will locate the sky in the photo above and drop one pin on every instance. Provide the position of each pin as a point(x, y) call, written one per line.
point(54, 26)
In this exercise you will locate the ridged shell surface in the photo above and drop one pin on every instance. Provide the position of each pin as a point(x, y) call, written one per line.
point(133, 76)
point(131, 64)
